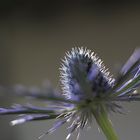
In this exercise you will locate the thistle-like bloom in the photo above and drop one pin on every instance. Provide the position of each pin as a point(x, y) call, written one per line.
point(88, 92)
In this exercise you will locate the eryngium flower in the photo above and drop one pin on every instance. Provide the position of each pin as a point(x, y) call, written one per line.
point(84, 76)
point(88, 92)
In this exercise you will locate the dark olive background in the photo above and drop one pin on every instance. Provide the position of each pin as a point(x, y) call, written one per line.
point(34, 36)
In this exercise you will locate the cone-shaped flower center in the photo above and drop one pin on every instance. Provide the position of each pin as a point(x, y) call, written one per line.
point(83, 75)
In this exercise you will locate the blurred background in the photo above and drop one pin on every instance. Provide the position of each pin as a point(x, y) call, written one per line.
point(34, 36)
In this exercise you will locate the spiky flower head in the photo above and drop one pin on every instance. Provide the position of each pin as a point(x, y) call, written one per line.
point(83, 75)
point(85, 79)
point(88, 92)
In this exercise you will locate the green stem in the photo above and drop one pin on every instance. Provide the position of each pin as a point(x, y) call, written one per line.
point(105, 124)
